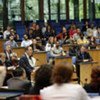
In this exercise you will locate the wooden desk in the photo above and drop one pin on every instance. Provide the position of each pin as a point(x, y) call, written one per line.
point(41, 58)
point(95, 54)
point(1, 44)
point(63, 59)
point(66, 47)
point(19, 50)
point(85, 71)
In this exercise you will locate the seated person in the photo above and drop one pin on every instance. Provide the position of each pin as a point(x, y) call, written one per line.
point(14, 62)
point(26, 42)
point(36, 47)
point(92, 44)
point(8, 51)
point(62, 88)
point(49, 44)
point(42, 79)
point(11, 42)
point(94, 85)
point(19, 81)
point(82, 40)
point(2, 69)
point(83, 55)
point(57, 51)
point(73, 50)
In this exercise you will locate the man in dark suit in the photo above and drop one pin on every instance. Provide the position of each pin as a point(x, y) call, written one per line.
point(83, 55)
point(19, 81)
point(27, 61)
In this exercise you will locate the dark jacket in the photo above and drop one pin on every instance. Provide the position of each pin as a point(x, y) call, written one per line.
point(84, 56)
point(23, 62)
point(19, 84)
point(90, 88)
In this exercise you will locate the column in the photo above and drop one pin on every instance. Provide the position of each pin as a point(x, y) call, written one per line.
point(84, 9)
point(41, 9)
point(91, 9)
point(76, 9)
point(49, 8)
point(5, 14)
point(67, 9)
point(22, 6)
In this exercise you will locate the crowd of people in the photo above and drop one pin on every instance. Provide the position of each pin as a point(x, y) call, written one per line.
point(58, 78)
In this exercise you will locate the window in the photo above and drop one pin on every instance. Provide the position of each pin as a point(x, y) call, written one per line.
point(80, 9)
point(32, 10)
point(71, 9)
point(54, 9)
point(97, 9)
point(62, 9)
point(46, 10)
point(1, 12)
point(14, 10)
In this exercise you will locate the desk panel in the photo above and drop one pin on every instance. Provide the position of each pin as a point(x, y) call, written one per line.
point(40, 57)
point(1, 44)
point(85, 72)
point(20, 51)
point(63, 59)
point(95, 54)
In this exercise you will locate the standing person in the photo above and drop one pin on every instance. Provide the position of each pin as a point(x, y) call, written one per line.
point(62, 88)
point(27, 61)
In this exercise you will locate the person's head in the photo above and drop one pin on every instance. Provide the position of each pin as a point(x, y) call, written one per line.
point(13, 56)
point(8, 28)
point(92, 39)
point(11, 37)
point(29, 50)
point(37, 27)
point(43, 75)
point(83, 49)
point(34, 41)
point(62, 73)
point(64, 30)
point(19, 72)
point(86, 23)
point(30, 31)
point(12, 31)
point(95, 77)
point(25, 37)
point(8, 48)
point(51, 39)
point(57, 44)
point(2, 57)
point(78, 30)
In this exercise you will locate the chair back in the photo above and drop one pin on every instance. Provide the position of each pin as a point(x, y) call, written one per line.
point(30, 97)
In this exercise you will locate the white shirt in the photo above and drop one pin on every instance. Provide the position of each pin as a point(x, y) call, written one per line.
point(64, 92)
point(96, 98)
point(48, 47)
point(5, 34)
point(26, 43)
point(32, 61)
